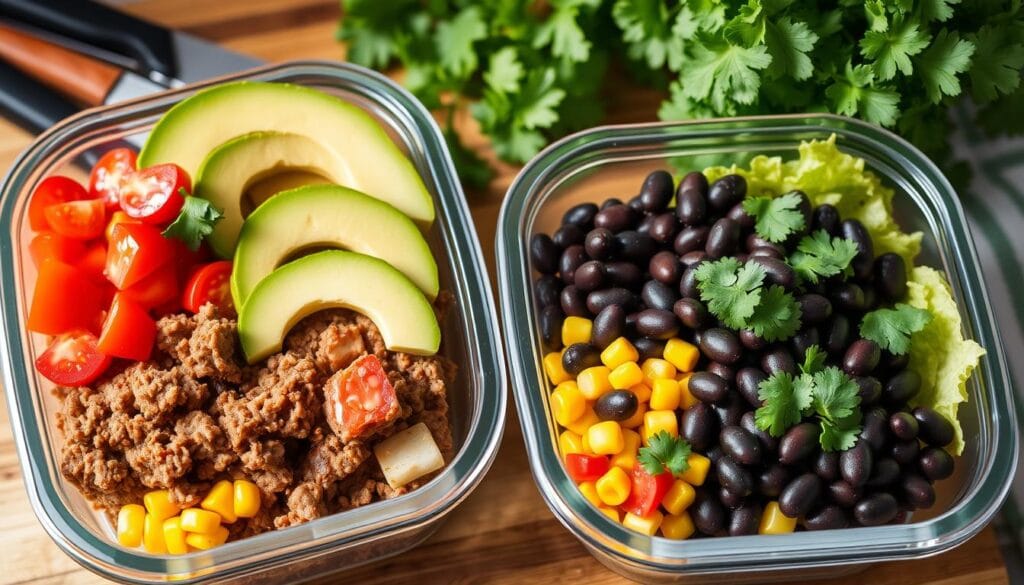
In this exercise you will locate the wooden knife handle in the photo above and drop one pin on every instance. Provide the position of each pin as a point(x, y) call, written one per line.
point(78, 76)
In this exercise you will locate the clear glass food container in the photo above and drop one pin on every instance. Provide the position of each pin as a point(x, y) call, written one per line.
point(612, 162)
point(336, 542)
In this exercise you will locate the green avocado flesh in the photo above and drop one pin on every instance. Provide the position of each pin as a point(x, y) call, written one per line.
point(333, 216)
point(332, 279)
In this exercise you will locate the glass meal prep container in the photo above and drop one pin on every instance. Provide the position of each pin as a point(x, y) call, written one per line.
point(612, 162)
point(477, 400)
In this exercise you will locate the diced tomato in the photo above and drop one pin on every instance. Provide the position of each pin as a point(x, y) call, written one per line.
point(647, 491)
point(55, 246)
point(128, 330)
point(154, 194)
point(585, 467)
point(109, 173)
point(360, 399)
point(84, 219)
point(211, 283)
point(72, 360)
point(159, 288)
point(65, 299)
point(52, 190)
point(135, 251)
point(116, 218)
point(94, 261)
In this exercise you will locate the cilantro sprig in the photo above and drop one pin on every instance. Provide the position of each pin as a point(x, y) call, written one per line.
point(891, 328)
point(735, 293)
point(195, 221)
point(819, 256)
point(826, 395)
point(776, 217)
point(665, 452)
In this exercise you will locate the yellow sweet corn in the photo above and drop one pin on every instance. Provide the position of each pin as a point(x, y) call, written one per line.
point(654, 368)
point(644, 524)
point(159, 504)
point(221, 500)
point(576, 330)
point(665, 394)
point(677, 527)
point(569, 442)
point(626, 458)
point(637, 419)
point(589, 491)
point(593, 382)
point(553, 368)
point(207, 541)
point(580, 425)
point(656, 421)
point(619, 352)
point(131, 521)
point(613, 487)
point(247, 499)
point(153, 535)
point(642, 391)
point(567, 402)
point(174, 536)
point(626, 375)
point(199, 520)
point(609, 512)
point(697, 471)
point(678, 497)
point(681, 354)
point(585, 444)
point(686, 398)
point(605, 438)
point(773, 521)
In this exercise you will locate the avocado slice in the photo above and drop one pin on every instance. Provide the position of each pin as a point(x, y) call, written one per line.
point(189, 131)
point(329, 215)
point(335, 278)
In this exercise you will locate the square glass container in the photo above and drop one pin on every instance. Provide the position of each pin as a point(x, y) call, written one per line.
point(613, 161)
point(469, 333)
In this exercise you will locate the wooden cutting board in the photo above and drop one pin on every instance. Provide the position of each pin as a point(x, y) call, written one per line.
point(503, 533)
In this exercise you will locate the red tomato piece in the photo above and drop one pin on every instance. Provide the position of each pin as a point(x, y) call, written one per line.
point(94, 262)
point(159, 288)
point(154, 194)
point(55, 246)
point(585, 467)
point(647, 492)
point(211, 283)
point(72, 360)
point(135, 251)
point(360, 399)
point(116, 218)
point(52, 190)
point(128, 331)
point(107, 176)
point(83, 220)
point(65, 299)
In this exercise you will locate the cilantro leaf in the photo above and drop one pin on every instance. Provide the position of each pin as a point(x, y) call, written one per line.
point(842, 434)
point(195, 221)
point(730, 289)
point(835, 395)
point(855, 93)
point(892, 49)
point(814, 359)
point(504, 71)
point(789, 43)
point(777, 217)
point(939, 65)
point(665, 452)
point(891, 328)
point(940, 10)
point(998, 58)
point(722, 72)
point(455, 40)
point(777, 316)
point(783, 401)
point(820, 256)
point(562, 31)
point(648, 29)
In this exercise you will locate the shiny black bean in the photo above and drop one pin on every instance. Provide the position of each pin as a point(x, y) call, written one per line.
point(636, 204)
point(715, 453)
point(624, 274)
point(875, 429)
point(891, 276)
point(745, 520)
point(691, 312)
point(895, 364)
point(729, 499)
point(644, 227)
point(608, 326)
point(568, 235)
point(826, 465)
point(901, 388)
point(699, 425)
point(800, 495)
point(848, 296)
point(631, 319)
point(844, 493)
point(869, 389)
point(657, 295)
point(741, 217)
point(610, 202)
point(740, 445)
point(876, 510)
point(580, 356)
point(778, 360)
point(935, 429)
point(616, 405)
point(544, 254)
point(636, 247)
point(814, 308)
point(826, 518)
point(617, 218)
point(771, 480)
point(747, 382)
point(733, 477)
point(550, 319)
point(803, 340)
point(708, 387)
point(721, 370)
point(799, 443)
point(591, 275)
point(657, 323)
point(600, 244)
point(691, 206)
point(688, 283)
point(664, 228)
point(885, 472)
point(936, 463)
point(581, 215)
point(723, 239)
point(694, 180)
point(776, 271)
point(656, 191)
point(861, 357)
point(917, 491)
point(905, 452)
point(764, 253)
point(721, 345)
point(731, 410)
point(752, 341)
point(599, 299)
point(691, 239)
point(546, 290)
point(692, 258)
point(855, 464)
point(903, 425)
point(755, 241)
point(826, 217)
point(863, 263)
point(870, 297)
point(649, 348)
point(665, 267)
point(726, 192)
point(572, 258)
point(708, 515)
point(836, 335)
point(573, 302)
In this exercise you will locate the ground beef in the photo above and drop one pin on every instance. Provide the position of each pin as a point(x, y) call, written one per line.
point(196, 413)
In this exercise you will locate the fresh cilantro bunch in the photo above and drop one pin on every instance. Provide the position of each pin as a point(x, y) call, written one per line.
point(736, 294)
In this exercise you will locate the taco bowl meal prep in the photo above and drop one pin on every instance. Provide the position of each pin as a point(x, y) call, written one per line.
point(264, 345)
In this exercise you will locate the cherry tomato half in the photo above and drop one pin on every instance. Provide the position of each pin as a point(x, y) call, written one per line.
point(647, 492)
point(360, 398)
point(83, 220)
point(128, 330)
point(154, 194)
point(52, 190)
point(72, 360)
point(65, 299)
point(582, 467)
point(211, 283)
point(109, 173)
point(55, 246)
point(135, 251)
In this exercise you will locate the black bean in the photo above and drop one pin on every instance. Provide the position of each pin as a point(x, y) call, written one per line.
point(905, 452)
point(726, 192)
point(688, 283)
point(649, 348)
point(664, 228)
point(599, 299)
point(708, 515)
point(572, 258)
point(590, 276)
point(803, 340)
point(844, 493)
point(733, 477)
point(624, 274)
point(869, 389)
point(740, 445)
point(568, 235)
point(836, 335)
point(715, 454)
point(826, 217)
point(745, 520)
point(544, 254)
point(826, 518)
point(546, 290)
point(691, 206)
point(776, 271)
point(721, 345)
point(768, 443)
point(636, 204)
point(855, 464)
point(876, 510)
point(631, 319)
point(581, 215)
point(747, 382)
point(550, 320)
point(644, 227)
point(729, 499)
point(691, 312)
point(608, 326)
point(936, 463)
point(885, 472)
point(600, 244)
point(778, 360)
point(657, 323)
point(864, 261)
point(610, 202)
point(665, 267)
point(731, 410)
point(694, 180)
point(657, 295)
point(752, 341)
point(848, 296)
point(765, 253)
point(635, 246)
point(800, 495)
point(616, 405)
point(656, 191)
point(699, 425)
point(691, 239)
point(826, 465)
point(573, 302)
point(721, 370)
point(741, 217)
point(891, 276)
point(708, 387)
point(617, 218)
point(580, 356)
point(875, 429)
point(799, 443)
point(861, 357)
point(806, 210)
point(814, 308)
point(772, 480)
point(935, 429)
point(903, 425)
point(917, 491)
point(723, 239)
point(870, 296)
point(901, 388)
point(755, 241)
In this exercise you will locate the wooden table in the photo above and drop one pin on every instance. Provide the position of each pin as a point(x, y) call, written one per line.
point(503, 533)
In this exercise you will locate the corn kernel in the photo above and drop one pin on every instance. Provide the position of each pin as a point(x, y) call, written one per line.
point(609, 512)
point(553, 368)
point(569, 442)
point(642, 391)
point(174, 536)
point(580, 425)
point(626, 459)
point(247, 499)
point(159, 504)
point(681, 354)
point(568, 403)
point(678, 527)
point(153, 535)
point(605, 438)
point(207, 541)
point(585, 444)
point(773, 521)
point(619, 352)
point(576, 330)
point(199, 520)
point(678, 497)
point(697, 471)
point(221, 500)
point(686, 398)
point(626, 375)
point(130, 525)
point(665, 394)
point(589, 491)
point(637, 419)
point(643, 524)
point(654, 368)
point(613, 487)
point(656, 421)
point(593, 382)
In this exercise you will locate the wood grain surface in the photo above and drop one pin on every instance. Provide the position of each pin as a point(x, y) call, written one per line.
point(503, 533)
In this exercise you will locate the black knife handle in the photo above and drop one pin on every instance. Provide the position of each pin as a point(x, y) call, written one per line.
point(98, 25)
